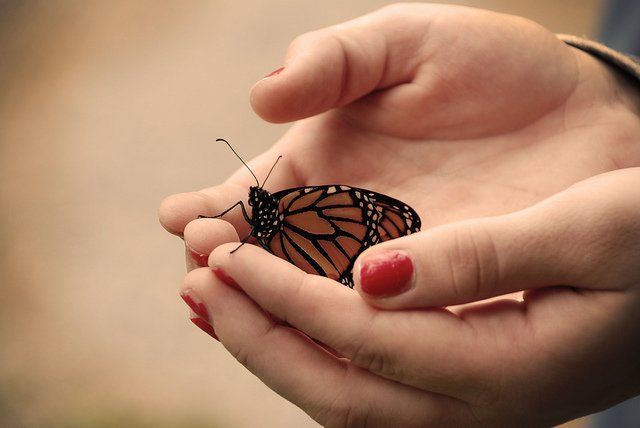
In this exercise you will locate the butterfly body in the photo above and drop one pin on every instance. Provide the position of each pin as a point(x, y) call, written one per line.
point(265, 220)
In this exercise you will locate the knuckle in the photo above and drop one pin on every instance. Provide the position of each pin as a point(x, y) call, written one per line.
point(301, 42)
point(294, 299)
point(343, 412)
point(241, 354)
point(473, 263)
point(395, 8)
point(347, 416)
point(249, 353)
point(295, 44)
point(363, 355)
point(368, 353)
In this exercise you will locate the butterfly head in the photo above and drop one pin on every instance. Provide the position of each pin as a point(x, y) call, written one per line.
point(258, 196)
point(265, 218)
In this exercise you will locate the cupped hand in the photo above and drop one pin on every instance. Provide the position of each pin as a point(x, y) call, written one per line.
point(568, 348)
point(458, 112)
point(462, 114)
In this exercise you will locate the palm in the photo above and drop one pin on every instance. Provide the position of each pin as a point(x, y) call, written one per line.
point(481, 127)
point(447, 181)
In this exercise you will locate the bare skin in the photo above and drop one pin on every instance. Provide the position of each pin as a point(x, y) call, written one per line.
point(522, 157)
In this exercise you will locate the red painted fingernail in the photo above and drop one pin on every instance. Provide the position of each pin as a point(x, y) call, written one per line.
point(196, 305)
point(205, 326)
point(201, 259)
point(274, 72)
point(386, 274)
point(224, 277)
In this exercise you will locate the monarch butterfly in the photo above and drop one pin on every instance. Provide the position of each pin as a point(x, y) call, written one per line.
point(322, 229)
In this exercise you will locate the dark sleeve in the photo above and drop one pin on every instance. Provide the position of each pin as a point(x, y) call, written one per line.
point(627, 64)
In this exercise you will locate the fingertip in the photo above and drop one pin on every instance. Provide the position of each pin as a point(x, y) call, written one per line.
point(196, 280)
point(384, 273)
point(275, 99)
point(176, 211)
point(312, 81)
point(168, 212)
point(201, 236)
point(205, 234)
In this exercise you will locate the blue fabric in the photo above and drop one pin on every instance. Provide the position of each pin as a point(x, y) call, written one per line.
point(620, 27)
point(624, 415)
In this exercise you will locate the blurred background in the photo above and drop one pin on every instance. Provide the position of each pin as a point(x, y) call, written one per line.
point(105, 108)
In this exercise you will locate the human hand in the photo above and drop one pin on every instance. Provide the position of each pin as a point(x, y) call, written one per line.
point(569, 348)
point(487, 145)
point(464, 113)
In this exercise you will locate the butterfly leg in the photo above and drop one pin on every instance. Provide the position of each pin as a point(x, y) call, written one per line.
point(244, 212)
point(244, 241)
point(263, 245)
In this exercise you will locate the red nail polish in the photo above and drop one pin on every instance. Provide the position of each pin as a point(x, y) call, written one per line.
point(274, 72)
point(386, 274)
point(224, 277)
point(205, 326)
point(201, 259)
point(196, 305)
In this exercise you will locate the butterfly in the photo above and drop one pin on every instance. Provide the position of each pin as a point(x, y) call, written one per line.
point(322, 229)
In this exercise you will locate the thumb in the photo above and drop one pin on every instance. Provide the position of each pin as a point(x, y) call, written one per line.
point(571, 238)
point(335, 66)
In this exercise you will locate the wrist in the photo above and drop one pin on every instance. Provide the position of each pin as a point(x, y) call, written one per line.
point(616, 73)
point(625, 88)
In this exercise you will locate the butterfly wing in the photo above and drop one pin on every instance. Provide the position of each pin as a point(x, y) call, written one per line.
point(325, 228)
point(396, 218)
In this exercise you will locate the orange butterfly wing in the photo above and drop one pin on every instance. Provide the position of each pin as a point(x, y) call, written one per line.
point(325, 228)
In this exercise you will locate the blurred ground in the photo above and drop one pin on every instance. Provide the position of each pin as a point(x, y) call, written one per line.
point(105, 108)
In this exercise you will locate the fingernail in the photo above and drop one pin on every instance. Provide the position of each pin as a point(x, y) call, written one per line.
point(274, 72)
point(196, 304)
point(205, 326)
point(224, 277)
point(201, 259)
point(386, 274)
point(199, 314)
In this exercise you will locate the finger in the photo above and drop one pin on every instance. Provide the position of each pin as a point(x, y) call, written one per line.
point(334, 66)
point(329, 389)
point(572, 238)
point(176, 211)
point(201, 236)
point(432, 350)
point(430, 75)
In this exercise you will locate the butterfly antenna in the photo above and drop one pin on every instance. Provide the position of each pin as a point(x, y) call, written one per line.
point(238, 156)
point(271, 170)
